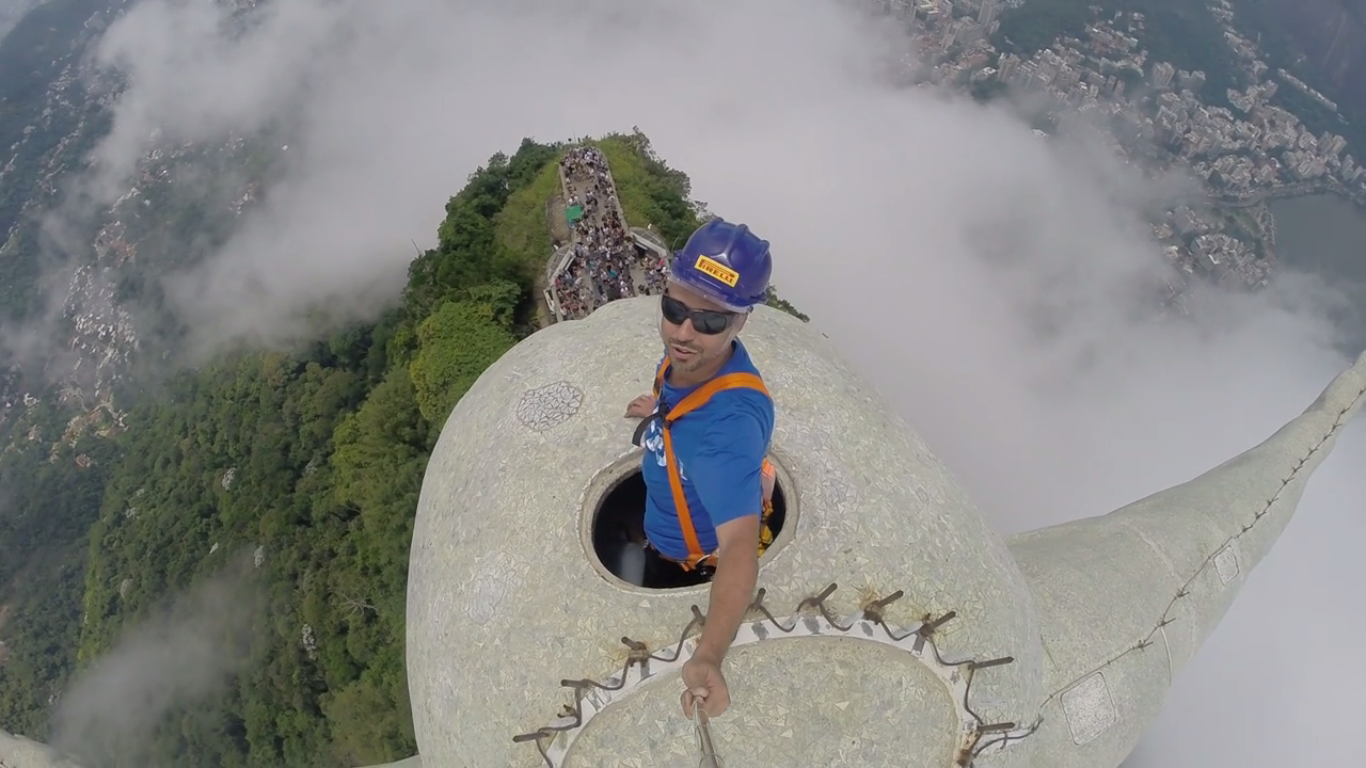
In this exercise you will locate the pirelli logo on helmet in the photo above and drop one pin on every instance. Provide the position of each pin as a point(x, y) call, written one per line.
point(716, 269)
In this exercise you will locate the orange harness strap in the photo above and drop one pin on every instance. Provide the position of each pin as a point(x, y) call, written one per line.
point(694, 400)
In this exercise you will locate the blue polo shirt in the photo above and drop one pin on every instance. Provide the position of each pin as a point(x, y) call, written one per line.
point(720, 449)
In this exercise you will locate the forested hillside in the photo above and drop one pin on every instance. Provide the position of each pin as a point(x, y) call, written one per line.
point(47, 123)
point(308, 464)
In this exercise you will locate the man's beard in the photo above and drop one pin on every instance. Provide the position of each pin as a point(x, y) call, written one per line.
point(693, 361)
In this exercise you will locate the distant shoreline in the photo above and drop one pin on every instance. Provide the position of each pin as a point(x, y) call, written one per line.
point(1356, 202)
point(1288, 193)
point(1357, 205)
point(1328, 234)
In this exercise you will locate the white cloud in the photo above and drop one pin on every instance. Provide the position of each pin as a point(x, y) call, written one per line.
point(994, 286)
point(182, 653)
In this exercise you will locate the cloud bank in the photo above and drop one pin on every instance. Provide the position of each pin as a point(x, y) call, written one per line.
point(996, 287)
point(180, 655)
point(11, 11)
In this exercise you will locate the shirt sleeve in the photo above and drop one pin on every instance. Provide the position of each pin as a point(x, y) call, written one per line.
point(726, 472)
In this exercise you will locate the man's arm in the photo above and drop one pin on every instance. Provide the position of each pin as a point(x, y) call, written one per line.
point(732, 587)
point(727, 476)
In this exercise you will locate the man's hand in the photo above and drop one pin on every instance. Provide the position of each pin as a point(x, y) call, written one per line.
point(705, 686)
point(641, 407)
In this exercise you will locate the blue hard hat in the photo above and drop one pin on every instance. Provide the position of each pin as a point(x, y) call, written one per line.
point(725, 262)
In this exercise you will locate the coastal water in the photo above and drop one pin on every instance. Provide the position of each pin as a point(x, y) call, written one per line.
point(1326, 235)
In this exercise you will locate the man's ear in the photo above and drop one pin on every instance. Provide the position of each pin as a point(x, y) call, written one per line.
point(739, 323)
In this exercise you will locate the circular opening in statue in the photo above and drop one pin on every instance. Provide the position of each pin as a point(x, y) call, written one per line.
point(617, 536)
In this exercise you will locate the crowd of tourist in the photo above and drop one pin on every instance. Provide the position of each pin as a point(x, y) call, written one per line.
point(606, 263)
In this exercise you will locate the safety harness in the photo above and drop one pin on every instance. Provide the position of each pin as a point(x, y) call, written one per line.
point(666, 415)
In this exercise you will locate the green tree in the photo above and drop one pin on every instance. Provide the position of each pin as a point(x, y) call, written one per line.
point(380, 448)
point(455, 345)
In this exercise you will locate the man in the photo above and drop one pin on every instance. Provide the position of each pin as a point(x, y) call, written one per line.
point(707, 431)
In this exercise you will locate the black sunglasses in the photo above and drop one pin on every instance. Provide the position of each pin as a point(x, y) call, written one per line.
point(705, 321)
